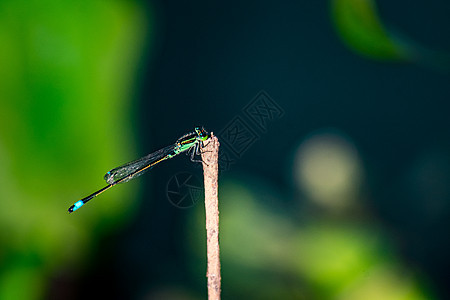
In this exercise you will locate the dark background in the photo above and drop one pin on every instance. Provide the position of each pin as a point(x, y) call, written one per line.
point(201, 64)
point(212, 59)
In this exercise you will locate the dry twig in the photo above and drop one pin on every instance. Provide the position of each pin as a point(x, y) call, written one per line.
point(210, 154)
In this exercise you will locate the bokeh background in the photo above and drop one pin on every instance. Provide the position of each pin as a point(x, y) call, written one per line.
point(343, 193)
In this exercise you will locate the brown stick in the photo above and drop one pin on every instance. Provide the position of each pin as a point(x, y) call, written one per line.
point(210, 154)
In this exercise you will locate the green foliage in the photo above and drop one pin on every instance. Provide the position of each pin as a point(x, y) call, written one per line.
point(266, 255)
point(360, 28)
point(65, 88)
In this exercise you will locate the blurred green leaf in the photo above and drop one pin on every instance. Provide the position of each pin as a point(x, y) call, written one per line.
point(360, 28)
point(66, 80)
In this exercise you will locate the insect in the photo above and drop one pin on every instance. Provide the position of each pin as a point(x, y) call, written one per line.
point(189, 143)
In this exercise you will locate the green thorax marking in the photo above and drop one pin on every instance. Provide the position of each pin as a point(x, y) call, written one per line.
point(186, 146)
point(190, 140)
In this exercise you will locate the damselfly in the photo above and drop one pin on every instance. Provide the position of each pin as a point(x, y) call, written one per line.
point(189, 143)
